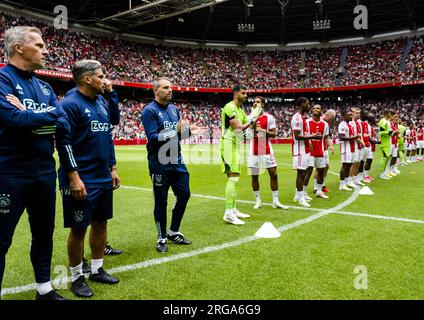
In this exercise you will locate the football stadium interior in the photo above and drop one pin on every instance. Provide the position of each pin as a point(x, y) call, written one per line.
point(358, 242)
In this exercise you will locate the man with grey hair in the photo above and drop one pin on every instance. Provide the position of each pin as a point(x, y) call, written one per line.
point(31, 121)
point(165, 128)
point(87, 193)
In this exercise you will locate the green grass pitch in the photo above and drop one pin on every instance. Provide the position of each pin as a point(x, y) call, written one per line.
point(339, 255)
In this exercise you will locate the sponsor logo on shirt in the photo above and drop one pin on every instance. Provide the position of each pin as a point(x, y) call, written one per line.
point(37, 107)
point(170, 125)
point(97, 126)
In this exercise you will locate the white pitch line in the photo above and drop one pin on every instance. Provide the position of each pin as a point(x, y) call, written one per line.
point(358, 214)
point(152, 262)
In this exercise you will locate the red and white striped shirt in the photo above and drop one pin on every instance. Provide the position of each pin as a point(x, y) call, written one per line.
point(366, 131)
point(420, 134)
point(321, 127)
point(262, 145)
point(298, 123)
point(348, 131)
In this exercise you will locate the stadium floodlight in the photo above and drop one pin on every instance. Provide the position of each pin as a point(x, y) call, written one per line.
point(246, 27)
point(321, 24)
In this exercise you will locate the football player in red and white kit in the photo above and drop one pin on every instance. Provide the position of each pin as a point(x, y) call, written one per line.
point(261, 155)
point(347, 136)
point(354, 180)
point(394, 118)
point(300, 147)
point(370, 121)
point(328, 117)
point(317, 159)
point(420, 142)
point(365, 151)
point(411, 139)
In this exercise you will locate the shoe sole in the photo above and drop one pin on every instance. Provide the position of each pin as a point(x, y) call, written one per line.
point(235, 224)
point(82, 296)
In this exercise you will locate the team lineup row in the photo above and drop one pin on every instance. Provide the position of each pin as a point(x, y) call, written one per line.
point(357, 133)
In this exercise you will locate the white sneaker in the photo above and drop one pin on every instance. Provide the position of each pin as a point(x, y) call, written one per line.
point(321, 194)
point(384, 177)
point(303, 203)
point(352, 185)
point(241, 215)
point(233, 219)
point(397, 171)
point(307, 197)
point(345, 188)
point(258, 204)
point(359, 183)
point(277, 204)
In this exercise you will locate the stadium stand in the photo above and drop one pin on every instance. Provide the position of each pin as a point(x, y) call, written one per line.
point(219, 68)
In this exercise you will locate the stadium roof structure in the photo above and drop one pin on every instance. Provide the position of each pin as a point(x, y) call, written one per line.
point(238, 21)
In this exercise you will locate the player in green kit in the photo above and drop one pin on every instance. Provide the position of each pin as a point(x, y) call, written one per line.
point(385, 134)
point(234, 125)
point(401, 143)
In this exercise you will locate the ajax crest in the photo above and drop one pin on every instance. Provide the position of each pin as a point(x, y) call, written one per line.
point(4, 200)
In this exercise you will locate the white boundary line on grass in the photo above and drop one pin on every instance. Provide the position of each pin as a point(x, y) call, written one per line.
point(152, 262)
point(356, 214)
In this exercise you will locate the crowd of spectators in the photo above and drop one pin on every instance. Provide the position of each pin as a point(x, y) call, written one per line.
point(205, 116)
point(373, 63)
point(206, 67)
point(414, 66)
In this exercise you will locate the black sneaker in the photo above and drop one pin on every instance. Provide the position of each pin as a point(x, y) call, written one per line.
point(161, 246)
point(103, 277)
point(81, 288)
point(52, 295)
point(178, 238)
point(85, 266)
point(109, 251)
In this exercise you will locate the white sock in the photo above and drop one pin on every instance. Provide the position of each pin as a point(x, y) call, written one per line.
point(76, 272)
point(96, 264)
point(44, 288)
point(319, 188)
point(367, 173)
point(299, 194)
point(315, 184)
point(257, 195)
point(342, 183)
point(275, 196)
point(305, 192)
point(229, 212)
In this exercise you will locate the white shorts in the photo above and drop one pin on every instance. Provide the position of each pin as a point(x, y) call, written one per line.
point(301, 161)
point(364, 153)
point(347, 157)
point(420, 144)
point(357, 155)
point(327, 157)
point(393, 150)
point(262, 161)
point(317, 162)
